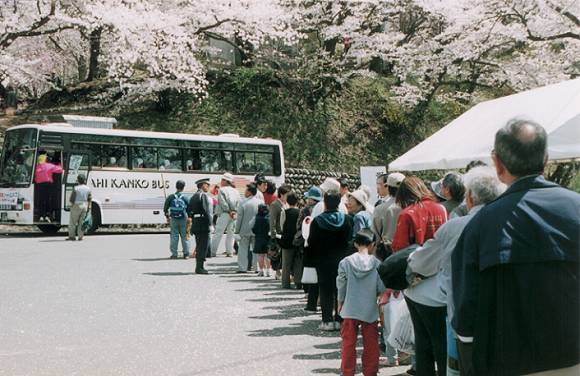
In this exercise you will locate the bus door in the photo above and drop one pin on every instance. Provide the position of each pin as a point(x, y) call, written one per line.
point(77, 164)
point(47, 196)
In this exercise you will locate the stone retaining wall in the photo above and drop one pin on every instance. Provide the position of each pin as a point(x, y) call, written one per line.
point(302, 179)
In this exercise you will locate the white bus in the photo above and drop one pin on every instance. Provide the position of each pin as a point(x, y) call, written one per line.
point(130, 173)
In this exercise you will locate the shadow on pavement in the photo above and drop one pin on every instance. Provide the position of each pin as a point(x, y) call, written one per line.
point(170, 274)
point(333, 371)
point(156, 259)
point(304, 328)
point(320, 356)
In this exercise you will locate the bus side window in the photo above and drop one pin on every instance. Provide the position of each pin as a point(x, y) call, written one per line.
point(245, 162)
point(211, 160)
point(114, 156)
point(192, 160)
point(169, 160)
point(228, 161)
point(144, 158)
point(265, 163)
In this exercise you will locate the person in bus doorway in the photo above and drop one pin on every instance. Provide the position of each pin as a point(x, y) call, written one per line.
point(43, 177)
point(80, 200)
point(175, 210)
point(227, 209)
point(200, 209)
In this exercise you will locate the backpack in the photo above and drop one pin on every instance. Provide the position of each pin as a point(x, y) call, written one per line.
point(177, 207)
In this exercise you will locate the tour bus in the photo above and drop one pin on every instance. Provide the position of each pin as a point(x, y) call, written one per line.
point(130, 173)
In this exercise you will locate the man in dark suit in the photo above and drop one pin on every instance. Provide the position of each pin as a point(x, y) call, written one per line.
point(201, 212)
point(515, 268)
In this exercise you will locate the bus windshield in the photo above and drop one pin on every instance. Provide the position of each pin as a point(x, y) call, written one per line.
point(18, 158)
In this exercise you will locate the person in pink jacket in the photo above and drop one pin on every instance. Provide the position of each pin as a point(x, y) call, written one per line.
point(43, 177)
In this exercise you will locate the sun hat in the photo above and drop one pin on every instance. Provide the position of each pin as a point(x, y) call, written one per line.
point(314, 193)
point(329, 183)
point(228, 177)
point(436, 187)
point(395, 179)
point(361, 197)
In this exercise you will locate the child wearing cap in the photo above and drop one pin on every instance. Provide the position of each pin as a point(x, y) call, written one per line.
point(359, 286)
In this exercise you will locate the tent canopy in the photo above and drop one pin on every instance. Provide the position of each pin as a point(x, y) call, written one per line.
point(471, 136)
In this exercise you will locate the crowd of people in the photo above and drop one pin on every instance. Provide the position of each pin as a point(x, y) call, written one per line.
point(483, 263)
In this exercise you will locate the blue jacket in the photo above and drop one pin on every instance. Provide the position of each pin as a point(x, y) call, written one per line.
point(515, 280)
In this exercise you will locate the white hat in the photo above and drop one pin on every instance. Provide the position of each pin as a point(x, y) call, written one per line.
point(395, 179)
point(437, 188)
point(330, 183)
point(361, 197)
point(228, 177)
point(366, 189)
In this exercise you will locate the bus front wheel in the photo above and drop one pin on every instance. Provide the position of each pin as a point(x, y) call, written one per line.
point(49, 229)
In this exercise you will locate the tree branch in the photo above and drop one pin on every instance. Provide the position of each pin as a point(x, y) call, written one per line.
point(203, 29)
point(8, 38)
point(565, 13)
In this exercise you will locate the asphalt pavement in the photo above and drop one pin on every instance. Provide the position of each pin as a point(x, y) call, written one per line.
point(116, 305)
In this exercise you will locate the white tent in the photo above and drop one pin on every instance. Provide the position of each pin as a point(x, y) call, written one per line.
point(471, 136)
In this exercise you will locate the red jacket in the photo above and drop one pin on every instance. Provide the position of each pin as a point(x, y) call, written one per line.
point(417, 223)
point(44, 171)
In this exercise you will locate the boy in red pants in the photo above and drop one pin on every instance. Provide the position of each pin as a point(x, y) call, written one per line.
point(359, 286)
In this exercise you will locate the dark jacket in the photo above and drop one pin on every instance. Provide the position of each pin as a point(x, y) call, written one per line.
point(289, 228)
point(260, 229)
point(515, 280)
point(328, 240)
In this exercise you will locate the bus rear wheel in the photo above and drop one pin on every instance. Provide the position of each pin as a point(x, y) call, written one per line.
point(49, 229)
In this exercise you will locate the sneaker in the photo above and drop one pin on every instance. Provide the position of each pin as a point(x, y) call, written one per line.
point(201, 271)
point(411, 371)
point(260, 273)
point(326, 326)
point(71, 239)
point(173, 257)
point(267, 273)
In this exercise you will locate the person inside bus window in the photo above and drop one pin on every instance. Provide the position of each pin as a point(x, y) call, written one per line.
point(112, 162)
point(43, 177)
point(138, 163)
point(166, 165)
point(189, 165)
point(122, 162)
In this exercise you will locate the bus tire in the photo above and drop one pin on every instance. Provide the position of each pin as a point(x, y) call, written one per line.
point(49, 229)
point(96, 214)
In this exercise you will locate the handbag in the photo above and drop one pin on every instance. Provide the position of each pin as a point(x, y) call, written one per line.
point(309, 275)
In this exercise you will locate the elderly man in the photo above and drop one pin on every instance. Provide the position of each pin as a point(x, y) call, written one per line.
point(227, 208)
point(387, 212)
point(515, 268)
point(244, 223)
point(434, 257)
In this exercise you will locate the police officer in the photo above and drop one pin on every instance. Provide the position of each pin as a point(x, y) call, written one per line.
point(201, 212)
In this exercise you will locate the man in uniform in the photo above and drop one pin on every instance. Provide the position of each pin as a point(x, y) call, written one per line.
point(201, 212)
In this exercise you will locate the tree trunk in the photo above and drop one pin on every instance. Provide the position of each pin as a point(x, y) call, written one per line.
point(95, 52)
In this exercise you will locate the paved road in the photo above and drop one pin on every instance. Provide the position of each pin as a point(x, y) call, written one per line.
point(115, 305)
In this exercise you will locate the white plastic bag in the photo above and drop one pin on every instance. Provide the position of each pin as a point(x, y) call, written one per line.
point(309, 276)
point(306, 229)
point(402, 336)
